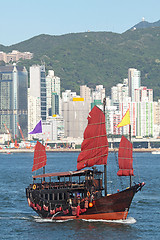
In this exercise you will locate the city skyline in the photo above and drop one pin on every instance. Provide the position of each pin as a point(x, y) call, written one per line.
point(143, 111)
point(62, 17)
point(67, 116)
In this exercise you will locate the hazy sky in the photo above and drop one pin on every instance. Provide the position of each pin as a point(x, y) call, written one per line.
point(24, 19)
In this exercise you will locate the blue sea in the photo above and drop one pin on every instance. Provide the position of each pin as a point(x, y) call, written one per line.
point(19, 221)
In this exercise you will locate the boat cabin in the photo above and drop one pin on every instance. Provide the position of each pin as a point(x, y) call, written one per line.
point(59, 187)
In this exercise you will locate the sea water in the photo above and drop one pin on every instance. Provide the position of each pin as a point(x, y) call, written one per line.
point(19, 221)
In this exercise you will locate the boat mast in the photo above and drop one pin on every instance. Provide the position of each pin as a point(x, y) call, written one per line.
point(44, 166)
point(44, 173)
point(105, 165)
point(130, 141)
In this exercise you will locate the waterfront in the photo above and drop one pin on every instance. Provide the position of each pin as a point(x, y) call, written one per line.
point(18, 221)
point(54, 150)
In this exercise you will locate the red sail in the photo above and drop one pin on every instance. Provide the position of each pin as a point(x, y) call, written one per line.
point(40, 157)
point(94, 149)
point(125, 158)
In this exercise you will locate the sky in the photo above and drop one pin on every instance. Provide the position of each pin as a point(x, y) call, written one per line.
point(21, 20)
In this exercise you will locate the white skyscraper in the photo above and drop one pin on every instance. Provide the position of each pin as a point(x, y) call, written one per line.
point(143, 94)
point(68, 95)
point(99, 93)
point(34, 112)
point(134, 82)
point(53, 82)
point(52, 93)
point(85, 92)
point(36, 96)
point(38, 86)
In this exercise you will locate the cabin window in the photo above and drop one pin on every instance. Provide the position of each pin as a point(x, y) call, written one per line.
point(98, 176)
point(50, 197)
point(76, 179)
point(46, 196)
point(82, 179)
point(60, 196)
point(55, 196)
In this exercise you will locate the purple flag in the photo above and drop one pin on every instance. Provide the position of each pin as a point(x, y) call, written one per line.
point(37, 129)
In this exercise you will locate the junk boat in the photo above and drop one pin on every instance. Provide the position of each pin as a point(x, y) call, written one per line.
point(82, 194)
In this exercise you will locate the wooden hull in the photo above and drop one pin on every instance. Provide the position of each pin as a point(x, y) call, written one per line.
point(95, 216)
point(111, 207)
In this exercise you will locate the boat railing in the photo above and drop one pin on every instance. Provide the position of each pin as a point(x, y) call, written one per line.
point(78, 185)
point(57, 185)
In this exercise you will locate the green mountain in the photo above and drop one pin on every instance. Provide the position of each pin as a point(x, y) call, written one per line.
point(145, 24)
point(94, 58)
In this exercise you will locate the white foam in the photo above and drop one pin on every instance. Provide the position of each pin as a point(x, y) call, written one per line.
point(20, 218)
point(41, 220)
point(129, 220)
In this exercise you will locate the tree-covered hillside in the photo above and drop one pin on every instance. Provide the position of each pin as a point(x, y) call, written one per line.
point(94, 58)
point(145, 24)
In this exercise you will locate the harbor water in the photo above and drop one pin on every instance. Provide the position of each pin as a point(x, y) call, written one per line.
point(19, 221)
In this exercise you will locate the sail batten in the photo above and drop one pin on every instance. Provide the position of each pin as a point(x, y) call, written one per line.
point(94, 149)
point(95, 137)
point(125, 158)
point(104, 155)
point(40, 157)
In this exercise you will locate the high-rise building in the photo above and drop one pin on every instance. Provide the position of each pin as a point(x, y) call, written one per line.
point(134, 82)
point(75, 113)
point(38, 87)
point(143, 94)
point(13, 99)
point(142, 118)
point(119, 93)
point(157, 118)
point(34, 112)
point(53, 128)
point(54, 110)
point(99, 93)
point(85, 92)
point(68, 95)
point(52, 93)
point(36, 97)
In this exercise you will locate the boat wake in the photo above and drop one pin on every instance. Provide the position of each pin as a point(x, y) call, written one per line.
point(41, 220)
point(129, 220)
point(16, 218)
